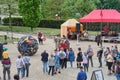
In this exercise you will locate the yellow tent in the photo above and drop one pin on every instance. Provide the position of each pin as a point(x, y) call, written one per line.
point(69, 24)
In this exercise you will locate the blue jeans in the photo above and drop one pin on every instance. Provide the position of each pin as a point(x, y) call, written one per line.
point(25, 69)
point(23, 72)
point(19, 70)
point(71, 63)
point(45, 66)
point(117, 76)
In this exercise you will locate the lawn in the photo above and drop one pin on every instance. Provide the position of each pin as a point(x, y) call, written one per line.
point(9, 39)
point(45, 31)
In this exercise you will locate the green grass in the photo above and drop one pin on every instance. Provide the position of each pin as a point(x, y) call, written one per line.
point(45, 31)
point(9, 39)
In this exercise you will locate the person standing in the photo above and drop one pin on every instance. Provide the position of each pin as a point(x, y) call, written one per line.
point(26, 61)
point(6, 68)
point(1, 51)
point(40, 38)
point(99, 55)
point(20, 64)
point(98, 39)
point(82, 75)
point(110, 61)
point(90, 54)
point(57, 62)
point(85, 61)
point(62, 56)
point(107, 51)
point(44, 60)
point(71, 57)
point(51, 63)
point(79, 58)
point(117, 70)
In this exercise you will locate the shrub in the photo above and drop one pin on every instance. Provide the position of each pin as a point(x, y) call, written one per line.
point(15, 21)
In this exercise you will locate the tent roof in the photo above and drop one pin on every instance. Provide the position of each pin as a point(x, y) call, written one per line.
point(105, 15)
point(70, 23)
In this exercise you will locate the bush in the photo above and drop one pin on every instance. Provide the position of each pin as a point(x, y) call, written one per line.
point(18, 21)
point(51, 23)
point(15, 21)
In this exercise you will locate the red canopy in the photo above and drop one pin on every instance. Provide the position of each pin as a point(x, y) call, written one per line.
point(105, 15)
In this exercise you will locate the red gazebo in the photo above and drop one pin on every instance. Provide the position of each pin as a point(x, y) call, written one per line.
point(102, 15)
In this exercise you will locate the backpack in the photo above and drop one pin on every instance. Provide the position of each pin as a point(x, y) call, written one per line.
point(21, 63)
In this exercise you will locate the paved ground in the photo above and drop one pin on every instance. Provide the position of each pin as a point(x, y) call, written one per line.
point(66, 74)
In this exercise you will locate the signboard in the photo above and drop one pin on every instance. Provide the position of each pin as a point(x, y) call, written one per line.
point(97, 75)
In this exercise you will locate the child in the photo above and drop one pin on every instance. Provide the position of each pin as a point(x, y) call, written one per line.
point(85, 61)
point(51, 63)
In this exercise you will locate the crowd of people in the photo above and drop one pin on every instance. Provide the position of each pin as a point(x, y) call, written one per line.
point(22, 65)
point(53, 63)
point(61, 56)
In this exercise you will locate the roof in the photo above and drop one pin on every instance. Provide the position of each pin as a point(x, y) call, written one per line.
point(70, 23)
point(102, 15)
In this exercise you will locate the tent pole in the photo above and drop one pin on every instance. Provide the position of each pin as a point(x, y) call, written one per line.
point(101, 26)
point(86, 25)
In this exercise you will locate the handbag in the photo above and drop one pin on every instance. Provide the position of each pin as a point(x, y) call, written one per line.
point(91, 53)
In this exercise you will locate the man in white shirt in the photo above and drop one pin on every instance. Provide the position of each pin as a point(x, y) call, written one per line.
point(19, 64)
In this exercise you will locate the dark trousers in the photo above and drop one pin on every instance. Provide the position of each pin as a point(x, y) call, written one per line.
point(65, 61)
point(100, 61)
point(51, 68)
point(90, 59)
point(62, 63)
point(4, 73)
point(85, 67)
point(109, 64)
point(40, 41)
point(99, 43)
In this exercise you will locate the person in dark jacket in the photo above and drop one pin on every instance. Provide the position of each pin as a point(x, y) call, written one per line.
point(98, 39)
point(99, 55)
point(6, 68)
point(79, 58)
point(44, 59)
point(82, 75)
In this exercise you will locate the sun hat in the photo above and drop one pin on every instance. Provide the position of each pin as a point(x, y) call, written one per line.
point(5, 49)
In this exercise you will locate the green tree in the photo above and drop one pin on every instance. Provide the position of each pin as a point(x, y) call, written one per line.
point(30, 11)
point(76, 9)
point(51, 7)
point(108, 4)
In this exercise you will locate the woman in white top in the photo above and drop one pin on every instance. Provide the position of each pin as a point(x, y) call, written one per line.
point(110, 61)
point(85, 61)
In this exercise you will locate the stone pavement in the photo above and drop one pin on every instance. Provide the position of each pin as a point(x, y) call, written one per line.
point(66, 74)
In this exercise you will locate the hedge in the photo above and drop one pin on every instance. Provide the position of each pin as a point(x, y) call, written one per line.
point(15, 21)
point(51, 23)
point(18, 21)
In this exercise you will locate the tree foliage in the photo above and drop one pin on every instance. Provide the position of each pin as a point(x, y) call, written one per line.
point(76, 8)
point(30, 11)
point(51, 7)
point(108, 4)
